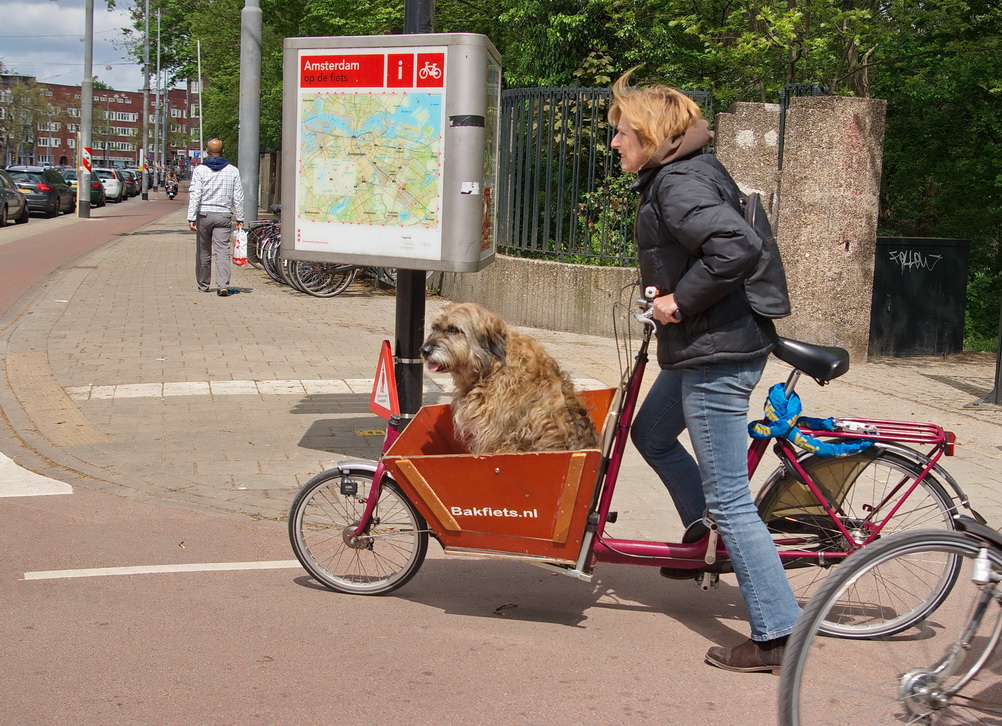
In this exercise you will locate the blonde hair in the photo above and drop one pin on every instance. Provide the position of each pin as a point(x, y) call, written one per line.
point(655, 112)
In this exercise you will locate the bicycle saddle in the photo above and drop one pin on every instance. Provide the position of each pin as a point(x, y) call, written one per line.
point(821, 362)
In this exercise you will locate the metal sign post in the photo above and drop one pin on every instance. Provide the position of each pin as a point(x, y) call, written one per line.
point(419, 17)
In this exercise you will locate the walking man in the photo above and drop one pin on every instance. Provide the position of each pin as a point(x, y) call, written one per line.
point(215, 200)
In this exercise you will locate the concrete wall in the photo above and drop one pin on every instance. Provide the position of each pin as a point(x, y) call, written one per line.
point(548, 295)
point(747, 141)
point(827, 223)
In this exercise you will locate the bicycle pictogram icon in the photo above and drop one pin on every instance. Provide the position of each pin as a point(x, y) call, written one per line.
point(430, 70)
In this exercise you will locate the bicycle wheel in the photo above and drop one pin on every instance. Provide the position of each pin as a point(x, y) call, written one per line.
point(943, 670)
point(320, 522)
point(269, 258)
point(864, 489)
point(321, 279)
point(253, 242)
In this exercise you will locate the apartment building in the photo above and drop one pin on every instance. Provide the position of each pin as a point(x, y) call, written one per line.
point(50, 136)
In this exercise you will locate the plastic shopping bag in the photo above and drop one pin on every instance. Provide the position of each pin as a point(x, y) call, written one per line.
point(239, 247)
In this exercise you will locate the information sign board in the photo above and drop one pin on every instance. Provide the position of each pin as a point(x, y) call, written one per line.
point(391, 150)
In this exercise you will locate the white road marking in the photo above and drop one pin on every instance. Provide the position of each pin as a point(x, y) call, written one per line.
point(253, 388)
point(18, 482)
point(160, 569)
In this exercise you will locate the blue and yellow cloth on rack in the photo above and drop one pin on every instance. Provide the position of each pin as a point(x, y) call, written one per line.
point(783, 414)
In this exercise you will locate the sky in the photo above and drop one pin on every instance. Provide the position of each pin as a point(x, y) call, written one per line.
point(44, 39)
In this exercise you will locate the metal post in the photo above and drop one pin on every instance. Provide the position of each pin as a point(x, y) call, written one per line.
point(248, 141)
point(994, 398)
point(86, 112)
point(419, 17)
point(998, 365)
point(156, 111)
point(165, 142)
point(143, 166)
point(201, 144)
point(107, 128)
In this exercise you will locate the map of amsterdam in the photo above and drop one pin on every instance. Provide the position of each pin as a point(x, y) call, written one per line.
point(371, 158)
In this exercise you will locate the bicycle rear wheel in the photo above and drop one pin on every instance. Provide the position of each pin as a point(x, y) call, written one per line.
point(865, 489)
point(903, 677)
point(326, 511)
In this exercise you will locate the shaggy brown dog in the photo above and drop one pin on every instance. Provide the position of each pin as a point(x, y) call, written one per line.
point(510, 394)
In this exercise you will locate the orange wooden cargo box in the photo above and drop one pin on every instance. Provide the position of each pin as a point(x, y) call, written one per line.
point(529, 505)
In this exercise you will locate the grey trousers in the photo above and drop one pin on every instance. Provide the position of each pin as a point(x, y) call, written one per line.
point(212, 240)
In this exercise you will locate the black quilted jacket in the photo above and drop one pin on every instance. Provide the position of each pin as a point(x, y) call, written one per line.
point(693, 241)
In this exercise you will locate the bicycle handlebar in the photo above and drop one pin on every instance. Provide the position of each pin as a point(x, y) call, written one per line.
point(646, 317)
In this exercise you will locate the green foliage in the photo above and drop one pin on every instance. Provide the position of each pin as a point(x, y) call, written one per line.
point(943, 140)
point(605, 222)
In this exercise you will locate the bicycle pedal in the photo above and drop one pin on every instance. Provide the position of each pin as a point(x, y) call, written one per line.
point(706, 580)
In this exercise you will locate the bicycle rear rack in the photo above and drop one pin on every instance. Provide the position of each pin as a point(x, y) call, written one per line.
point(885, 430)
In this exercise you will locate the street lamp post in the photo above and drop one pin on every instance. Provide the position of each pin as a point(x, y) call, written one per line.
point(248, 140)
point(143, 167)
point(86, 112)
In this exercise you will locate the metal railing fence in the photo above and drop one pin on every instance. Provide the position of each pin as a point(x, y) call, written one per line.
point(561, 195)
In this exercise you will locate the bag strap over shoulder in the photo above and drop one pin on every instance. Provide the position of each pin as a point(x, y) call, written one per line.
point(750, 204)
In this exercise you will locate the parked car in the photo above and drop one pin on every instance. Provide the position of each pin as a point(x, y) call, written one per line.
point(45, 189)
point(114, 187)
point(97, 196)
point(139, 179)
point(13, 204)
point(132, 185)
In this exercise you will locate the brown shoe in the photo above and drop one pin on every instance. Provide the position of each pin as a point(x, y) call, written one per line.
point(749, 657)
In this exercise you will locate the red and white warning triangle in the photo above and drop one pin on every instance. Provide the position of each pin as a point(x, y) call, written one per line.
point(384, 402)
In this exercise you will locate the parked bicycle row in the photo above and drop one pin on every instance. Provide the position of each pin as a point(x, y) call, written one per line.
point(320, 279)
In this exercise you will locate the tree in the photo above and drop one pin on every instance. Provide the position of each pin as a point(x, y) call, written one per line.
point(25, 107)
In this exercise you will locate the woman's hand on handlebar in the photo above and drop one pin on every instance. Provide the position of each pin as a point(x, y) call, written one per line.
point(666, 311)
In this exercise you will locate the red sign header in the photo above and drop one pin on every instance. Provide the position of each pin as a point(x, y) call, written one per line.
point(342, 71)
point(373, 70)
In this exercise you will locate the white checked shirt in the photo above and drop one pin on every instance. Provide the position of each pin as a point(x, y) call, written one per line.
point(215, 191)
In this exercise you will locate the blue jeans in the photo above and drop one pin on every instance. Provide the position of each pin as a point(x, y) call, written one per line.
point(712, 402)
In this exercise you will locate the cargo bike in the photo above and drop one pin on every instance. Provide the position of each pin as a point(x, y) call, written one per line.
point(364, 526)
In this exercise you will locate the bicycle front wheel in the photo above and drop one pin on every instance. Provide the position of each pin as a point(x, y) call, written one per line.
point(323, 517)
point(945, 669)
point(864, 489)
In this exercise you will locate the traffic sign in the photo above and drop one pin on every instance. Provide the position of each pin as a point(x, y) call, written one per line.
point(86, 159)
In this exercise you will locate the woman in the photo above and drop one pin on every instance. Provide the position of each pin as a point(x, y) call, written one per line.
point(696, 249)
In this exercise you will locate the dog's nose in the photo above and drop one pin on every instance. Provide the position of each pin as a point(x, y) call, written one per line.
point(425, 350)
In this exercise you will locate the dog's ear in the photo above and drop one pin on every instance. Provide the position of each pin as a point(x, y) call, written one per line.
point(495, 337)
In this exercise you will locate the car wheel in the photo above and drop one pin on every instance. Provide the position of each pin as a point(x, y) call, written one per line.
point(54, 212)
point(101, 201)
point(3, 217)
point(24, 215)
